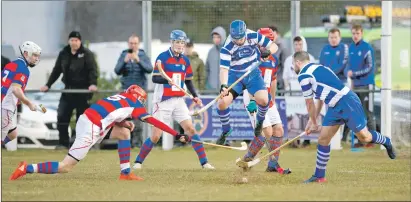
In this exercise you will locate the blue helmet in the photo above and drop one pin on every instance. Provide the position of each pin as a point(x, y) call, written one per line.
point(238, 29)
point(178, 35)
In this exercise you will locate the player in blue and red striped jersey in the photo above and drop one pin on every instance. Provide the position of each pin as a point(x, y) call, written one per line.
point(272, 124)
point(14, 79)
point(107, 116)
point(169, 100)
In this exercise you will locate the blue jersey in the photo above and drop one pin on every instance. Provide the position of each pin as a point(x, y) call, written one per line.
point(361, 63)
point(336, 58)
point(239, 58)
point(321, 82)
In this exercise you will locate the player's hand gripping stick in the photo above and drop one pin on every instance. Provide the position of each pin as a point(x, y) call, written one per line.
point(203, 109)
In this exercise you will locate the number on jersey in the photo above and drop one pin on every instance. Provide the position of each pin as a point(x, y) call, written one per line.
point(116, 97)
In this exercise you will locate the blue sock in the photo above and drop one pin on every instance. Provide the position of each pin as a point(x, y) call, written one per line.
point(199, 148)
point(255, 146)
point(123, 148)
point(378, 138)
point(50, 167)
point(225, 119)
point(323, 155)
point(145, 150)
point(262, 110)
point(6, 140)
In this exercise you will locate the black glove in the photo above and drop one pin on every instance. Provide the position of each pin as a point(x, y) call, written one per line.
point(222, 87)
point(265, 53)
point(183, 138)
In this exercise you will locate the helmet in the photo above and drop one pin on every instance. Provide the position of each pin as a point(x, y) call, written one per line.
point(137, 92)
point(238, 29)
point(177, 35)
point(31, 48)
point(267, 32)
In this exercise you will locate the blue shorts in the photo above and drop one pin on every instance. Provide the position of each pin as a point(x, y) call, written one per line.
point(253, 82)
point(348, 110)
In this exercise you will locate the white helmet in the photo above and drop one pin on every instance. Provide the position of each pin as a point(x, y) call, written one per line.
point(31, 48)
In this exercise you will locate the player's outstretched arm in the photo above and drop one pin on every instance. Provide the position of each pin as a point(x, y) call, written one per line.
point(18, 92)
point(160, 125)
point(273, 48)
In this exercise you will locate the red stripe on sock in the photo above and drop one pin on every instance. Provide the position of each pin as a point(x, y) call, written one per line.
point(38, 168)
point(124, 155)
point(196, 145)
point(43, 167)
point(123, 149)
point(200, 150)
point(124, 161)
point(49, 167)
point(202, 156)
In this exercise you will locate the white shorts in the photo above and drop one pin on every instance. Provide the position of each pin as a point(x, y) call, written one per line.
point(272, 117)
point(175, 108)
point(87, 135)
point(8, 122)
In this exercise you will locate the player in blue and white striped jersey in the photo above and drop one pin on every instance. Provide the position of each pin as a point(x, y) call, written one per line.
point(344, 106)
point(242, 49)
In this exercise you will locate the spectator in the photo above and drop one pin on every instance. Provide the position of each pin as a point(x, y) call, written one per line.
point(133, 65)
point(289, 75)
point(335, 54)
point(213, 58)
point(197, 65)
point(4, 61)
point(79, 69)
point(281, 54)
point(360, 68)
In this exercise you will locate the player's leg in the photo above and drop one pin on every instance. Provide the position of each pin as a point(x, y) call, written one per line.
point(274, 142)
point(87, 135)
point(332, 121)
point(323, 152)
point(223, 107)
point(181, 115)
point(8, 126)
point(255, 85)
point(162, 112)
point(122, 134)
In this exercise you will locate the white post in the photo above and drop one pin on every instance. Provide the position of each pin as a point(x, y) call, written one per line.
point(295, 20)
point(386, 47)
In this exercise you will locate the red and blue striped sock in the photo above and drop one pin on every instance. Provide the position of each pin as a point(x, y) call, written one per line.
point(199, 148)
point(50, 167)
point(274, 143)
point(262, 110)
point(255, 146)
point(145, 150)
point(123, 148)
point(6, 140)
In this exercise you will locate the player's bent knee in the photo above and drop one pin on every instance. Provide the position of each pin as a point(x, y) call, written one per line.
point(364, 135)
point(120, 133)
point(278, 130)
point(156, 136)
point(324, 140)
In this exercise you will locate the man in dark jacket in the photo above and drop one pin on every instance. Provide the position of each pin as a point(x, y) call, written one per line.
point(212, 65)
point(79, 69)
point(133, 65)
point(4, 61)
point(282, 54)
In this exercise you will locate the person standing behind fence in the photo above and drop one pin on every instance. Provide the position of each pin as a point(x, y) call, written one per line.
point(79, 69)
point(133, 65)
point(212, 65)
point(360, 68)
point(282, 53)
point(197, 65)
point(335, 56)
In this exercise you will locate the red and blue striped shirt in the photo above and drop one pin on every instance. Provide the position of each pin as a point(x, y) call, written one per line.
point(178, 69)
point(16, 72)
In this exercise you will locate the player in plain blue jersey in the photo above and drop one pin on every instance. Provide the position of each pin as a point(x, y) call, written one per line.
point(344, 106)
point(239, 53)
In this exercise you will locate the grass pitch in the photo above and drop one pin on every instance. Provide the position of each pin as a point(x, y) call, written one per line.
point(177, 175)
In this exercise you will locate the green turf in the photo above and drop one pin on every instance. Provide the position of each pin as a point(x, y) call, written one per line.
point(176, 175)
